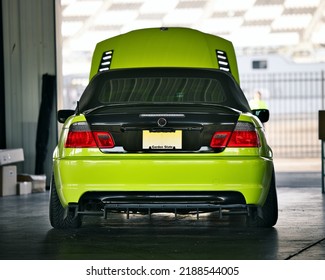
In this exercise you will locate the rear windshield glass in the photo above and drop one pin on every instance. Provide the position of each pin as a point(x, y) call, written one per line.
point(162, 89)
point(163, 86)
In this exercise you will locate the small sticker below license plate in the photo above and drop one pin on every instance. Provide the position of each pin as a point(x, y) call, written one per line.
point(162, 140)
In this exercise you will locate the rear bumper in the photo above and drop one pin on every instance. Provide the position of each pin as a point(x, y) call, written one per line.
point(250, 176)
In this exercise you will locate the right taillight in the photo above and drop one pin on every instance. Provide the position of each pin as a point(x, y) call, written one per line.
point(104, 139)
point(80, 136)
point(244, 135)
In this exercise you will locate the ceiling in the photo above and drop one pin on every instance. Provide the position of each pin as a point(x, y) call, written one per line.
point(295, 28)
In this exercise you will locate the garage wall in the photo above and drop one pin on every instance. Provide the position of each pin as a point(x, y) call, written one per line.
point(29, 52)
point(2, 91)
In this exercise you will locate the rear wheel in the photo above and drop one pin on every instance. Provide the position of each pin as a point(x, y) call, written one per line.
point(57, 212)
point(267, 215)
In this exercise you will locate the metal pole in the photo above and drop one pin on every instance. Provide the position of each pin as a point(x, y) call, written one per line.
point(323, 100)
point(322, 89)
point(323, 175)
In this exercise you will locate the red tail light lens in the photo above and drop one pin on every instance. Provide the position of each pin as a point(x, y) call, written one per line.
point(80, 139)
point(104, 139)
point(220, 139)
point(244, 135)
point(244, 139)
point(80, 136)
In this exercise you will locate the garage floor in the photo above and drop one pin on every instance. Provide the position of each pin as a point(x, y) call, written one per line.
point(25, 232)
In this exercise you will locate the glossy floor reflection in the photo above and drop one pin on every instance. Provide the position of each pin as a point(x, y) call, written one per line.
point(25, 232)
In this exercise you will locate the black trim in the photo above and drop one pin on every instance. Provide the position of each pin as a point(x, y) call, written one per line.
point(160, 201)
point(225, 197)
point(106, 61)
point(223, 61)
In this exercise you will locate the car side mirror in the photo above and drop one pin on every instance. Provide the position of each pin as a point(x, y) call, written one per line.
point(262, 114)
point(64, 114)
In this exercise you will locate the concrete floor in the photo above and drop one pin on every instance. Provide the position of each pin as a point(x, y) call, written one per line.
point(25, 232)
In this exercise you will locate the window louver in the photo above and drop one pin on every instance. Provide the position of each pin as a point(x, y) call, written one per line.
point(223, 60)
point(105, 62)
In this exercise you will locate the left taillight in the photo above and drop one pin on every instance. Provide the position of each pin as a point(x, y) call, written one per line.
point(80, 136)
point(244, 135)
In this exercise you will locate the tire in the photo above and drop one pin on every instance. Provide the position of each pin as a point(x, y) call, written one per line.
point(267, 215)
point(57, 212)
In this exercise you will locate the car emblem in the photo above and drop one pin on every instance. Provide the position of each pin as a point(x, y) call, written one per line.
point(162, 122)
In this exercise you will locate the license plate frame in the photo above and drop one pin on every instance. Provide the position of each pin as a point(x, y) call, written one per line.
point(170, 140)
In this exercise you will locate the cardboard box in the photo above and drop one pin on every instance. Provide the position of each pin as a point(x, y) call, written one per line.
point(10, 156)
point(38, 181)
point(8, 180)
point(24, 188)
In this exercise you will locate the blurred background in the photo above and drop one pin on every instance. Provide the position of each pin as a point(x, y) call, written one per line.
point(280, 46)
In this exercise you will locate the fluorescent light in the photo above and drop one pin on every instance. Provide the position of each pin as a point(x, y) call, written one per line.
point(265, 12)
point(69, 28)
point(232, 5)
point(301, 3)
point(158, 6)
point(250, 36)
point(182, 16)
point(287, 22)
point(81, 8)
point(116, 17)
point(221, 25)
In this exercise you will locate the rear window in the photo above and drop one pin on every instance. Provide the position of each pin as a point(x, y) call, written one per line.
point(162, 89)
point(163, 85)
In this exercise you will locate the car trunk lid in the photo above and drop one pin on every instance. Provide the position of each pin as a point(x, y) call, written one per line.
point(162, 127)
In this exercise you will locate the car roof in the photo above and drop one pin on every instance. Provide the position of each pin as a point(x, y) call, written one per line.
point(164, 47)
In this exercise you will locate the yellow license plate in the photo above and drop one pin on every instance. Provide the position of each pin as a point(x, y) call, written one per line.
point(162, 140)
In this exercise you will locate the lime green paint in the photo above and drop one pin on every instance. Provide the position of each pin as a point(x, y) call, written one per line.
point(176, 47)
point(247, 170)
point(188, 172)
